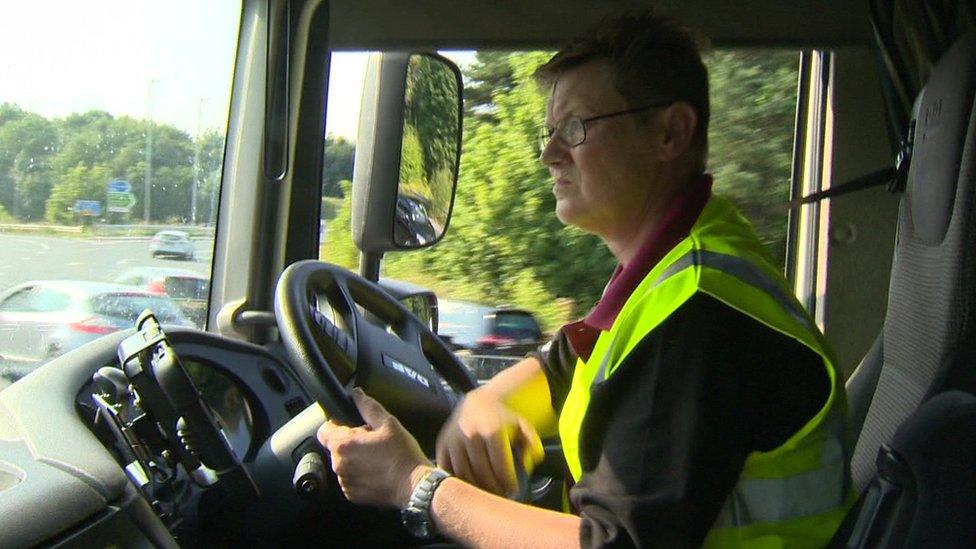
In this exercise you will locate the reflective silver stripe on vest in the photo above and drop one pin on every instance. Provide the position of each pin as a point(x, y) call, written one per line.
point(762, 500)
point(601, 373)
point(733, 266)
point(745, 271)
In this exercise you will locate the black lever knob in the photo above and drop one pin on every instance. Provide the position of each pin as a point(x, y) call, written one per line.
point(113, 382)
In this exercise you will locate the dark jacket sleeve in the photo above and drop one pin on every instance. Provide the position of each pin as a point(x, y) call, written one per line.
point(666, 435)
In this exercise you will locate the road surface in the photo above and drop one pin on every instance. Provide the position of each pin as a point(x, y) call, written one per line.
point(35, 257)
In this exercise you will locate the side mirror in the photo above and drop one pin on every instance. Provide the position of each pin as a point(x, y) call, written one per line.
point(419, 301)
point(408, 151)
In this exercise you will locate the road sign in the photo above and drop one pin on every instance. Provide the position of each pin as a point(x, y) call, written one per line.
point(119, 186)
point(121, 202)
point(91, 208)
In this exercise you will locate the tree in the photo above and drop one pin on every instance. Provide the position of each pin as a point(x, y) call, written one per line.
point(80, 183)
point(489, 76)
point(211, 156)
point(337, 164)
point(38, 155)
point(27, 144)
point(751, 136)
point(432, 110)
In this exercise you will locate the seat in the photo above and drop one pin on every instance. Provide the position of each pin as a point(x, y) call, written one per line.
point(927, 345)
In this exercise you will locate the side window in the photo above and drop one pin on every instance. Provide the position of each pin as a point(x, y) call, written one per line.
point(48, 301)
point(19, 301)
point(505, 245)
point(335, 235)
point(112, 130)
point(517, 326)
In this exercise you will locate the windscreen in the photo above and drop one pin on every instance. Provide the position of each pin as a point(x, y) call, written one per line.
point(113, 117)
point(129, 306)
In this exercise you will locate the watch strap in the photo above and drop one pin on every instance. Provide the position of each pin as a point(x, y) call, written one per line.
point(416, 515)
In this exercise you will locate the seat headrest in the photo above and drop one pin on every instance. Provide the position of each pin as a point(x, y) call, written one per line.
point(943, 119)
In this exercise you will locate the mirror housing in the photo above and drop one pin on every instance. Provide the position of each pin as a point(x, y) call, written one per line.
point(407, 153)
point(419, 301)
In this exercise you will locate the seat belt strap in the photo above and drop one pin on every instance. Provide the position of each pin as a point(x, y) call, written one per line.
point(895, 177)
point(873, 179)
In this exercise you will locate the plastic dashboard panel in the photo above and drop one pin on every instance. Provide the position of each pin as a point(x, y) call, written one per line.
point(57, 480)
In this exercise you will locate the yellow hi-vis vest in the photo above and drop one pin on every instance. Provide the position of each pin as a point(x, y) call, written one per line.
point(795, 495)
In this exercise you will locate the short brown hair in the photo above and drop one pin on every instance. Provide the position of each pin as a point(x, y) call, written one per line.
point(654, 58)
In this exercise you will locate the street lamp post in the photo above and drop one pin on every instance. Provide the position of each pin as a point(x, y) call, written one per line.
point(147, 191)
point(196, 167)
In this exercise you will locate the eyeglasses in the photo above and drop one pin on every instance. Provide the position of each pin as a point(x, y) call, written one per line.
point(572, 131)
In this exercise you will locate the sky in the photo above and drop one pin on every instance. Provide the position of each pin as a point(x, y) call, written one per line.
point(171, 61)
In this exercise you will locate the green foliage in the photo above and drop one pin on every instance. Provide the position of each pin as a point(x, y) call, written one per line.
point(751, 136)
point(430, 135)
point(211, 158)
point(337, 247)
point(339, 156)
point(491, 75)
point(28, 142)
point(40, 161)
point(331, 206)
point(413, 176)
point(80, 183)
point(432, 111)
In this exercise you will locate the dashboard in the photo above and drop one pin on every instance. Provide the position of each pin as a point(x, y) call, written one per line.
point(77, 468)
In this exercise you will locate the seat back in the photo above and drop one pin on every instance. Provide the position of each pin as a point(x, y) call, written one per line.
point(923, 493)
point(927, 346)
point(928, 333)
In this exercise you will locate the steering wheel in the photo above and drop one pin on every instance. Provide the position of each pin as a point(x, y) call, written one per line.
point(343, 331)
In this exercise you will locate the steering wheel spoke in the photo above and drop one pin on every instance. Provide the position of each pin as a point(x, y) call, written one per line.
point(409, 333)
point(380, 346)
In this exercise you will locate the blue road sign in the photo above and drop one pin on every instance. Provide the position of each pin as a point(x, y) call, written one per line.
point(88, 207)
point(119, 186)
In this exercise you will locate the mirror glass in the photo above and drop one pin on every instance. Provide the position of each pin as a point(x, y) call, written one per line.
point(423, 308)
point(429, 151)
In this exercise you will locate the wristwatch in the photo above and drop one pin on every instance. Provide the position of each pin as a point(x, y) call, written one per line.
point(416, 515)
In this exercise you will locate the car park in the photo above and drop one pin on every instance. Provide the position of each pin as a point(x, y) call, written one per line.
point(172, 243)
point(189, 289)
point(888, 276)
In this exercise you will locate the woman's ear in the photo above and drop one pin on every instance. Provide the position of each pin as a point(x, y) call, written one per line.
point(679, 121)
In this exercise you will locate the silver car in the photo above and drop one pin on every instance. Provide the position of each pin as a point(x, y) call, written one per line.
point(44, 319)
point(172, 243)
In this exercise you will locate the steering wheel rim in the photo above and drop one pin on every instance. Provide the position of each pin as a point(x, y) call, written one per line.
point(404, 355)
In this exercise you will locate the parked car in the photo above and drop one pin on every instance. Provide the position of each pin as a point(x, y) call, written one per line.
point(172, 243)
point(189, 289)
point(44, 319)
